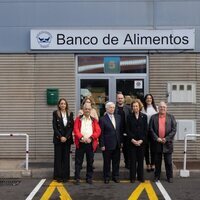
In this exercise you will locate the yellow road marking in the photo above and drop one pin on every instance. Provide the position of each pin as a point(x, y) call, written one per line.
point(61, 189)
point(144, 186)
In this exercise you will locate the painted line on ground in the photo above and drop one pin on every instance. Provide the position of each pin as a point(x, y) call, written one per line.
point(64, 195)
point(163, 191)
point(35, 190)
point(145, 186)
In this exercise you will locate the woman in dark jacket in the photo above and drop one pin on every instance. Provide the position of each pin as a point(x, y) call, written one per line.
point(149, 109)
point(63, 123)
point(136, 130)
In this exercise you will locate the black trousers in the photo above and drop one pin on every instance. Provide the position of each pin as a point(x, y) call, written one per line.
point(136, 162)
point(79, 156)
point(61, 161)
point(125, 150)
point(108, 157)
point(150, 150)
point(168, 164)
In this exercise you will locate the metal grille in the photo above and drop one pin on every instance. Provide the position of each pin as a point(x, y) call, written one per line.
point(9, 182)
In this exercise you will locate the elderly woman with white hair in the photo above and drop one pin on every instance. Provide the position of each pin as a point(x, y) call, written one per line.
point(110, 142)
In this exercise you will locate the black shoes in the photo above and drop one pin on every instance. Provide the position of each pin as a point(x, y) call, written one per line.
point(106, 181)
point(116, 180)
point(141, 180)
point(132, 180)
point(156, 179)
point(89, 181)
point(77, 182)
point(170, 180)
point(59, 180)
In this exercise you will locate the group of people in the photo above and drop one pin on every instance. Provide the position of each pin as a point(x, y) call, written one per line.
point(141, 131)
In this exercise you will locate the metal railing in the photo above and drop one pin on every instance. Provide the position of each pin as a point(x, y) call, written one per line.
point(184, 172)
point(27, 143)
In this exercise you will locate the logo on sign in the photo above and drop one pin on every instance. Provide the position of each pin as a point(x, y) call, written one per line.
point(44, 39)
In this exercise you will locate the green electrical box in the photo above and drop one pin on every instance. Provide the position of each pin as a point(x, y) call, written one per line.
point(52, 96)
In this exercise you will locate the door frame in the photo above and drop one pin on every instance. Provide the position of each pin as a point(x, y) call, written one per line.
point(111, 83)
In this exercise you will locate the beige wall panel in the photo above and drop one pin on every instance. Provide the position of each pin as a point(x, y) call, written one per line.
point(177, 67)
point(23, 104)
point(51, 71)
point(16, 103)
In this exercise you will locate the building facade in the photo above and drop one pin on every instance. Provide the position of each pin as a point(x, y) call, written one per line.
point(96, 48)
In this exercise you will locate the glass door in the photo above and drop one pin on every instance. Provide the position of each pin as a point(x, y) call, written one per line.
point(131, 88)
point(97, 90)
point(102, 89)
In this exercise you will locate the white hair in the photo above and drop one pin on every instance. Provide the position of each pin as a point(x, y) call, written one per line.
point(162, 103)
point(108, 104)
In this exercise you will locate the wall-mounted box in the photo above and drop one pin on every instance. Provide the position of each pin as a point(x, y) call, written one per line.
point(52, 96)
point(185, 127)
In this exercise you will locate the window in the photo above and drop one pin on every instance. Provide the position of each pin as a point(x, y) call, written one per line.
point(189, 87)
point(111, 64)
point(181, 87)
point(174, 87)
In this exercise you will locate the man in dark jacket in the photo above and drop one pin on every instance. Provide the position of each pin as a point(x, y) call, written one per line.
point(163, 129)
point(110, 142)
point(123, 110)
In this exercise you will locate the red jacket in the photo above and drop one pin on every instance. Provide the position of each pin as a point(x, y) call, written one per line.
point(95, 135)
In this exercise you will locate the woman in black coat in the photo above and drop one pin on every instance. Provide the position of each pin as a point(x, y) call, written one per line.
point(63, 123)
point(136, 130)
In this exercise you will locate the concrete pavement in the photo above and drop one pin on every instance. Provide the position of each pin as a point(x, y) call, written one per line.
point(43, 168)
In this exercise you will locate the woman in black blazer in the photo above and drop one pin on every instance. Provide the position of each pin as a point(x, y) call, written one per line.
point(63, 123)
point(136, 130)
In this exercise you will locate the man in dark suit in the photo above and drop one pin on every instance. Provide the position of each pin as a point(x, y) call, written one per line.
point(163, 129)
point(123, 110)
point(110, 142)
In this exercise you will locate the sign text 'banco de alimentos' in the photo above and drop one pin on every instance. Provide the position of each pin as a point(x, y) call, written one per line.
point(50, 39)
